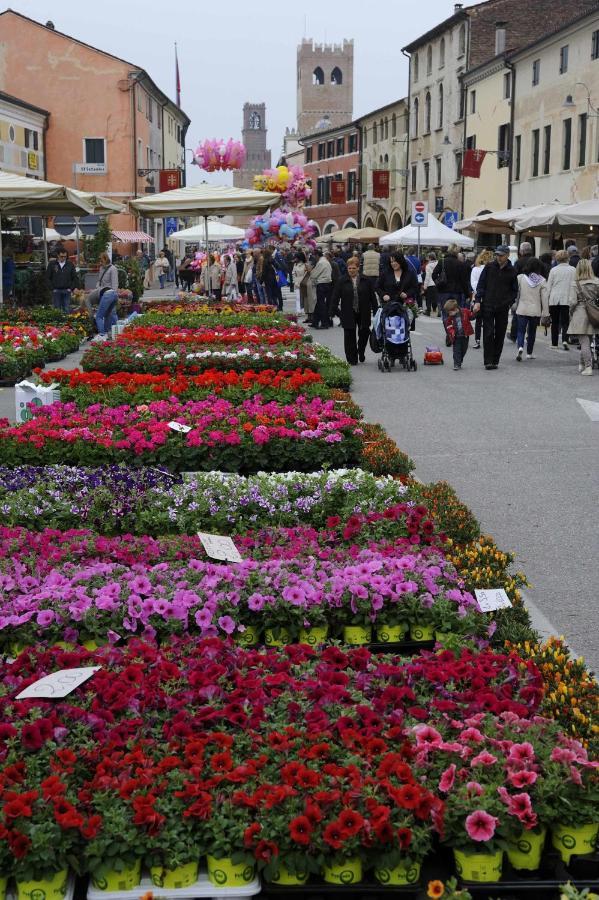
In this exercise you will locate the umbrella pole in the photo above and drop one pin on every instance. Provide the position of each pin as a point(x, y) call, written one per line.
point(207, 284)
point(2, 263)
point(44, 225)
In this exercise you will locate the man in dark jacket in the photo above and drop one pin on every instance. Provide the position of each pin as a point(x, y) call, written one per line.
point(354, 301)
point(455, 285)
point(496, 290)
point(62, 279)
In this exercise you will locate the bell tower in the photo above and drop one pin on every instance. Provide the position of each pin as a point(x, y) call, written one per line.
point(325, 84)
point(253, 136)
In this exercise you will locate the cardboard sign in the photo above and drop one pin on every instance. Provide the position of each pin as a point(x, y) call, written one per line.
point(58, 684)
point(490, 599)
point(217, 546)
point(176, 426)
point(38, 394)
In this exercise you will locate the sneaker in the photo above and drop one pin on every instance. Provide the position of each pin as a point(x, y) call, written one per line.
point(489, 367)
point(587, 371)
point(554, 347)
point(456, 368)
point(519, 354)
point(581, 368)
point(530, 356)
point(565, 346)
point(476, 345)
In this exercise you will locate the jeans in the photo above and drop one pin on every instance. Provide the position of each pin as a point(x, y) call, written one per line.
point(560, 320)
point(258, 290)
point(526, 325)
point(460, 348)
point(106, 315)
point(321, 312)
point(494, 329)
point(161, 279)
point(61, 299)
point(355, 348)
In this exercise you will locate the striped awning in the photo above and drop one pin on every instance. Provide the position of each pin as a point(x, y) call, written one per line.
point(132, 237)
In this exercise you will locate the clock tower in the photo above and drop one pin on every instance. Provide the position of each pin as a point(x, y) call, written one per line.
point(253, 135)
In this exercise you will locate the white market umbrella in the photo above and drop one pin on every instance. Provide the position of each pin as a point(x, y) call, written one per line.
point(503, 220)
point(585, 213)
point(205, 200)
point(217, 231)
point(367, 235)
point(436, 234)
point(339, 236)
point(21, 196)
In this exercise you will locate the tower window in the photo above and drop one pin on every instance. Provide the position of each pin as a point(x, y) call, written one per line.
point(317, 76)
point(336, 76)
point(255, 120)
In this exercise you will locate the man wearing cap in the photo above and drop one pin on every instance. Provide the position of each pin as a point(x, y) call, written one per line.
point(496, 290)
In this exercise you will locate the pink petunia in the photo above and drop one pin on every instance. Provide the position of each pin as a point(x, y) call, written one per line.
point(483, 759)
point(447, 779)
point(481, 826)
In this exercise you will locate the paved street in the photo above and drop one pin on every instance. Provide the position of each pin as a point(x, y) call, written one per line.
point(520, 451)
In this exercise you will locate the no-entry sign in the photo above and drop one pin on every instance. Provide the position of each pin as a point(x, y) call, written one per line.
point(420, 213)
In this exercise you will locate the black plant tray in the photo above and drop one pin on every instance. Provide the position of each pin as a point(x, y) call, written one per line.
point(401, 648)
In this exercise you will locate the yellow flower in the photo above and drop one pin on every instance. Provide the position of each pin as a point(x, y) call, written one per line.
point(435, 889)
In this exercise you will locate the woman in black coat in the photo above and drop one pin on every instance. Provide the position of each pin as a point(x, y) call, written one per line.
point(354, 301)
point(399, 282)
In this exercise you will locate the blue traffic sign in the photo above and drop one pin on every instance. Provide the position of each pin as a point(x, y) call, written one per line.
point(450, 218)
point(170, 225)
point(419, 218)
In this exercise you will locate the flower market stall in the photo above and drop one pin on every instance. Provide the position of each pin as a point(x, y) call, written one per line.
point(285, 678)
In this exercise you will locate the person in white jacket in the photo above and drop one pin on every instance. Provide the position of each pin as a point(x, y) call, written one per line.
point(299, 273)
point(559, 283)
point(531, 305)
point(230, 286)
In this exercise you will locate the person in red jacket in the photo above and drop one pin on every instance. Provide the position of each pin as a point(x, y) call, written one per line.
point(458, 327)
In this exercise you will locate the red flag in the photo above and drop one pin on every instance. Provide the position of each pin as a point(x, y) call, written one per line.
point(472, 162)
point(380, 183)
point(338, 191)
point(177, 78)
point(169, 179)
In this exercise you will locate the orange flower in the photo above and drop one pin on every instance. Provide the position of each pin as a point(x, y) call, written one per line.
point(435, 889)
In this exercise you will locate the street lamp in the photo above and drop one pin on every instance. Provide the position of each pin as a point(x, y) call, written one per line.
point(570, 104)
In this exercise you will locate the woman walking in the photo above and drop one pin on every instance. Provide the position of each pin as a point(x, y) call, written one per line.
point(430, 288)
point(162, 266)
point(298, 275)
point(484, 257)
point(354, 301)
point(247, 276)
point(585, 288)
point(398, 283)
point(211, 277)
point(559, 284)
point(269, 278)
point(531, 305)
point(230, 286)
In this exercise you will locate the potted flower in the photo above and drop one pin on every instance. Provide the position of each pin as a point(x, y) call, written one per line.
point(113, 855)
point(476, 827)
point(419, 610)
point(230, 863)
point(575, 790)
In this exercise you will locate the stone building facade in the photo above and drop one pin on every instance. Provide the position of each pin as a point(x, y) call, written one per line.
point(22, 131)
point(325, 84)
point(333, 155)
point(253, 136)
point(384, 142)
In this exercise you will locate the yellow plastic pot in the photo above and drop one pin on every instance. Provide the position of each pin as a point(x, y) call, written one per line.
point(271, 641)
point(347, 872)
point(401, 874)
point(391, 634)
point(315, 635)
point(357, 634)
point(224, 873)
point(284, 876)
point(249, 637)
point(525, 850)
point(179, 877)
point(422, 632)
point(571, 840)
point(485, 867)
point(107, 879)
point(52, 887)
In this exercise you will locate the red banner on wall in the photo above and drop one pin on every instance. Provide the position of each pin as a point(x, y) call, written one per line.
point(380, 183)
point(169, 180)
point(338, 191)
point(472, 162)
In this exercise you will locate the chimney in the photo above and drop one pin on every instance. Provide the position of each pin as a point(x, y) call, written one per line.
point(500, 37)
point(457, 7)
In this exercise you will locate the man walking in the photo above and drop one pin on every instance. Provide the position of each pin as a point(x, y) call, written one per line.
point(62, 279)
point(371, 265)
point(321, 278)
point(496, 290)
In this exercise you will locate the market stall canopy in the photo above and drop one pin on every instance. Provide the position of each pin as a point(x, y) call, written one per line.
point(338, 237)
point(28, 197)
point(436, 234)
point(503, 220)
point(205, 200)
point(367, 235)
point(51, 234)
point(217, 231)
point(132, 237)
point(560, 215)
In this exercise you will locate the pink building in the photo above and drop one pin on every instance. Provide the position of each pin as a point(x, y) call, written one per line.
point(108, 120)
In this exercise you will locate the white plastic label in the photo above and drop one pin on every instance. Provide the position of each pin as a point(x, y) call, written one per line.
point(490, 599)
point(177, 426)
point(217, 546)
point(58, 684)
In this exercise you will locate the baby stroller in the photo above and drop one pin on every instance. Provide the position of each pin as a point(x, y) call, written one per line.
point(391, 336)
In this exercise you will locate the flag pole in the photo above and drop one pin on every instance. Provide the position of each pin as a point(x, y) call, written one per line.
point(177, 79)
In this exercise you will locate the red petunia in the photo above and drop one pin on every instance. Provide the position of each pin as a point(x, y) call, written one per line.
point(351, 821)
point(404, 837)
point(335, 836)
point(19, 844)
point(300, 830)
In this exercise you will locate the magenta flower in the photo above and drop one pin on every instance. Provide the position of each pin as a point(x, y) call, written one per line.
point(481, 826)
point(447, 779)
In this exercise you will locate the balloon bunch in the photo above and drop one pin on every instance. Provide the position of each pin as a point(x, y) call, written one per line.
point(214, 155)
point(290, 182)
point(282, 225)
point(200, 258)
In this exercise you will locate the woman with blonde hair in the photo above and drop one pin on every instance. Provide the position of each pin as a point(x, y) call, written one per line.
point(584, 289)
point(559, 284)
point(484, 257)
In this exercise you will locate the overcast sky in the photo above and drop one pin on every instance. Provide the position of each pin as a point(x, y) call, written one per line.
point(233, 51)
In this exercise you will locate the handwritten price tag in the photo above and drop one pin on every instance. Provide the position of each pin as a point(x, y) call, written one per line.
point(58, 684)
point(491, 599)
point(177, 426)
point(217, 546)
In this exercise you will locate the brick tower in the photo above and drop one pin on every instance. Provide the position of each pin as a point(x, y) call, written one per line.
point(325, 84)
point(253, 135)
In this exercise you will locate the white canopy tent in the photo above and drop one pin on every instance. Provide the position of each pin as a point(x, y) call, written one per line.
point(217, 231)
point(21, 196)
point(558, 216)
point(504, 220)
point(436, 234)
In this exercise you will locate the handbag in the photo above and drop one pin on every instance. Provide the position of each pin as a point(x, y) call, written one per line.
point(441, 280)
point(592, 311)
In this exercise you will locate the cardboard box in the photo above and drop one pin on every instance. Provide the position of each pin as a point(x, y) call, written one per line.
point(37, 394)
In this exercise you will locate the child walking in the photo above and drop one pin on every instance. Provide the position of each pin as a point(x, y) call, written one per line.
point(458, 327)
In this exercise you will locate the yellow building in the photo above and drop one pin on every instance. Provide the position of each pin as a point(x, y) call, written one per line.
point(384, 134)
point(22, 132)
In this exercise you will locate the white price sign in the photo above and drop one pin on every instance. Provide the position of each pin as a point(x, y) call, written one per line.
point(490, 599)
point(58, 684)
point(177, 426)
point(217, 546)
